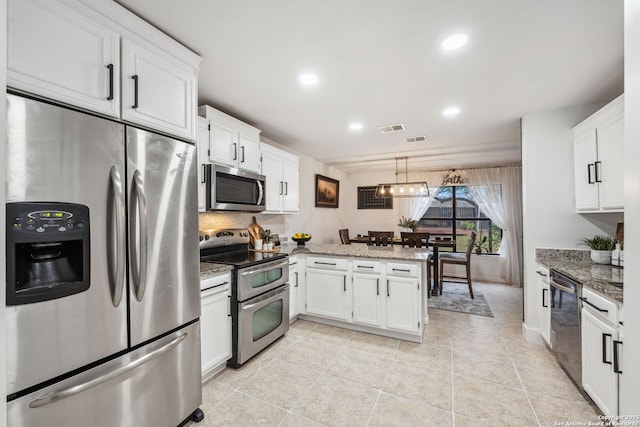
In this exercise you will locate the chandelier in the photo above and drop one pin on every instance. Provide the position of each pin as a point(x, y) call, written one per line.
point(402, 189)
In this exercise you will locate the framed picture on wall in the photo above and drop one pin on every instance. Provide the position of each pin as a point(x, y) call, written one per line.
point(327, 192)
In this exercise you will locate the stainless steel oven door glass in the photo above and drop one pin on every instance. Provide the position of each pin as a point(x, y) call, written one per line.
point(253, 281)
point(261, 321)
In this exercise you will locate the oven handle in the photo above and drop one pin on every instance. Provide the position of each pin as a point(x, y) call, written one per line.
point(271, 295)
point(262, 267)
point(562, 288)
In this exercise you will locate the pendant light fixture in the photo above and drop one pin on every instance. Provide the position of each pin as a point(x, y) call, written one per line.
point(403, 189)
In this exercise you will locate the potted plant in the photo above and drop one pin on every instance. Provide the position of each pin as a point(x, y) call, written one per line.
point(411, 224)
point(601, 247)
point(480, 244)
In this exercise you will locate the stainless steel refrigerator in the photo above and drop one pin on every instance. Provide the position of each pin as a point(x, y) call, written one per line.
point(103, 295)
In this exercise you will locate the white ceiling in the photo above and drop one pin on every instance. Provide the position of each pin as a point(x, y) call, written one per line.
point(380, 62)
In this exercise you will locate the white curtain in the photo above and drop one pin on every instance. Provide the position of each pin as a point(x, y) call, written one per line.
point(415, 207)
point(498, 194)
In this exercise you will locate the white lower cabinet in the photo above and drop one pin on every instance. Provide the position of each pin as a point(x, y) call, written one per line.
point(403, 304)
point(545, 304)
point(371, 295)
point(601, 352)
point(294, 285)
point(366, 299)
point(215, 323)
point(327, 293)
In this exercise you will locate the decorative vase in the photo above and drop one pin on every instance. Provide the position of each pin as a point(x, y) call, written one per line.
point(600, 257)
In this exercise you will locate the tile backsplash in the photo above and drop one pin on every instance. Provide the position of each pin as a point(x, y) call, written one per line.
point(275, 223)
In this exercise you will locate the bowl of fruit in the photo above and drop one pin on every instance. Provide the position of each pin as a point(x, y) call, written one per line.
point(301, 238)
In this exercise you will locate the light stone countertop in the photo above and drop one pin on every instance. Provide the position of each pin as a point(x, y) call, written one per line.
point(360, 251)
point(208, 269)
point(576, 264)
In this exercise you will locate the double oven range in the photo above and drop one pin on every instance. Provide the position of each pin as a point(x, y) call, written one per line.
point(259, 291)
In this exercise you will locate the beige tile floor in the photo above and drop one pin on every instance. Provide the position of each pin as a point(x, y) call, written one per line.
point(469, 371)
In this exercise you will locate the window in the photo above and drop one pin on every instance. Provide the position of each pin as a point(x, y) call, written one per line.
point(367, 199)
point(454, 212)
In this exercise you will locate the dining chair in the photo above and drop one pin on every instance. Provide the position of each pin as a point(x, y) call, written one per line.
point(419, 240)
point(458, 259)
point(380, 238)
point(344, 236)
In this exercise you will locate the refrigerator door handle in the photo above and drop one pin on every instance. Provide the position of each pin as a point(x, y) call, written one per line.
point(139, 257)
point(55, 396)
point(119, 247)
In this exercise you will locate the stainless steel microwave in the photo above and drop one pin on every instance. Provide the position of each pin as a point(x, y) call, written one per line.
point(230, 189)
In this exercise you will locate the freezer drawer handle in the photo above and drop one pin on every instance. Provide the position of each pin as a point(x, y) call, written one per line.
point(55, 396)
point(140, 275)
point(117, 251)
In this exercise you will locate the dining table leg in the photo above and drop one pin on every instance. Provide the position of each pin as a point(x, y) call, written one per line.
point(436, 283)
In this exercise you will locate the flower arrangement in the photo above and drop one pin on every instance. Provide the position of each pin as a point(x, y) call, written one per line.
point(408, 223)
point(600, 243)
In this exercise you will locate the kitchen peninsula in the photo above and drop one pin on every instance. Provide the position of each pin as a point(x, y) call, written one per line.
point(379, 290)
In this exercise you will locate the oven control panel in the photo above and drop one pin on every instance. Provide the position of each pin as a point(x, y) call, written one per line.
point(223, 237)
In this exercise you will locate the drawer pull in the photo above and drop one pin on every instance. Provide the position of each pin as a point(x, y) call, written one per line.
point(324, 263)
point(602, 310)
point(402, 270)
point(364, 266)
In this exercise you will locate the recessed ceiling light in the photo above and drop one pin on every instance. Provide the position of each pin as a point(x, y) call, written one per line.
point(355, 126)
point(455, 41)
point(451, 111)
point(308, 79)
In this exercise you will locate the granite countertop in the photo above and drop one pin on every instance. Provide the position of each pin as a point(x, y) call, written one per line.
point(208, 269)
point(359, 251)
point(604, 279)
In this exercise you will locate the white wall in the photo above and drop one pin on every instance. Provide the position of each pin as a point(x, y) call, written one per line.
point(629, 380)
point(549, 216)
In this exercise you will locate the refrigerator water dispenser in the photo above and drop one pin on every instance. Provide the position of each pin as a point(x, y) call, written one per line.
point(48, 251)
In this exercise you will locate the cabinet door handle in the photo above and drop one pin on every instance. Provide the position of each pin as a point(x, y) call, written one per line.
point(204, 174)
point(296, 279)
point(589, 174)
point(242, 154)
point(544, 304)
point(604, 348)
point(229, 306)
point(344, 282)
point(110, 97)
point(281, 188)
point(597, 167)
point(616, 354)
point(378, 286)
point(601, 310)
point(135, 91)
point(388, 287)
point(235, 151)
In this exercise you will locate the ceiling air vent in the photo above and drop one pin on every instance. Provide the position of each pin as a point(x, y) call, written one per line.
point(391, 128)
point(416, 139)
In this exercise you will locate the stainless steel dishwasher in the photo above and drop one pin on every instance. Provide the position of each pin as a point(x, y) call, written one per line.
point(565, 324)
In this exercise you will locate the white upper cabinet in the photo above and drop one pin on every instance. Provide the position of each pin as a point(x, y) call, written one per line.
point(56, 52)
point(87, 53)
point(157, 91)
point(281, 172)
point(202, 145)
point(599, 160)
point(232, 142)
